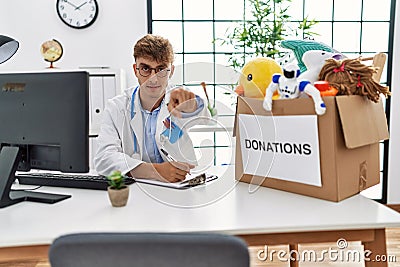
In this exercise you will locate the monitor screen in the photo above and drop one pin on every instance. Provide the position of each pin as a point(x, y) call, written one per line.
point(45, 115)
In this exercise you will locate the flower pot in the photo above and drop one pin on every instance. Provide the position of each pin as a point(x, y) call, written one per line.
point(118, 197)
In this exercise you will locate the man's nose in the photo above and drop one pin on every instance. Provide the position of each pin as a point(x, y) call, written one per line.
point(153, 76)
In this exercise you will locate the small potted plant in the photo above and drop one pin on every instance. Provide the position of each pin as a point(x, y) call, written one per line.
point(118, 191)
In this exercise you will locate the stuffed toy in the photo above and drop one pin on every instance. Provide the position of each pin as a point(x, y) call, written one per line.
point(314, 60)
point(256, 76)
point(299, 47)
point(351, 77)
point(289, 86)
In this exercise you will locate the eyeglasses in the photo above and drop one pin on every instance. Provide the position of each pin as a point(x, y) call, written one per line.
point(146, 71)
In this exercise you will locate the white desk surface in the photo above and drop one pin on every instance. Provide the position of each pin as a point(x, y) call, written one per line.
point(224, 206)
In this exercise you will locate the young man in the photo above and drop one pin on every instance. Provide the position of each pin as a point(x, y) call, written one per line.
point(148, 120)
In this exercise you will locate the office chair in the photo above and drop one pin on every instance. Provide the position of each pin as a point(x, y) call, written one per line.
point(148, 249)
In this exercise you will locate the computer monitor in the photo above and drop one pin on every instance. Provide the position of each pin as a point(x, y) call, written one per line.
point(43, 125)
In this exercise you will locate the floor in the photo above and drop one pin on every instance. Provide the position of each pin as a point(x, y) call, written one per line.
point(327, 254)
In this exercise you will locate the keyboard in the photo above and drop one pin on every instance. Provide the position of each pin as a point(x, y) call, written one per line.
point(83, 181)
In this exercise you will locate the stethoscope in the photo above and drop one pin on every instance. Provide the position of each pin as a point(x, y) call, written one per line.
point(135, 148)
point(163, 138)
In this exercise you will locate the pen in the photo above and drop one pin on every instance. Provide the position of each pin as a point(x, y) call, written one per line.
point(169, 157)
point(198, 180)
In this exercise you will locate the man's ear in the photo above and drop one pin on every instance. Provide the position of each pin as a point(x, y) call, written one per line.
point(134, 69)
point(172, 71)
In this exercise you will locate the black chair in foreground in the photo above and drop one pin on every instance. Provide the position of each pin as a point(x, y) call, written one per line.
point(148, 250)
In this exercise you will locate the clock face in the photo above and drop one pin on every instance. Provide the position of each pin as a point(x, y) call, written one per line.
point(77, 13)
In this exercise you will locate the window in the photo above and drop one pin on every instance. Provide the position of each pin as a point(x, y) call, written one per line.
point(357, 27)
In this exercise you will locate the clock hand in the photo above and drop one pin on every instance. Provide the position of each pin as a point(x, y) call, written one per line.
point(71, 4)
point(80, 6)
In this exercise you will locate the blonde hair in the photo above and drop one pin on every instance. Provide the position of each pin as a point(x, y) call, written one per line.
point(155, 48)
point(351, 77)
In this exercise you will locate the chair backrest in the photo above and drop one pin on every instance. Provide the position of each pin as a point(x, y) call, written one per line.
point(148, 249)
point(378, 61)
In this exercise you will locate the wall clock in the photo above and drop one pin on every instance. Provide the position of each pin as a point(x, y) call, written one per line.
point(77, 14)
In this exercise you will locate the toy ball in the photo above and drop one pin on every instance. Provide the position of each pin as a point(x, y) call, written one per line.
point(256, 76)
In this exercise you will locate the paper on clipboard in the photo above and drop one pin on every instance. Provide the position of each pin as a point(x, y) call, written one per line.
point(190, 181)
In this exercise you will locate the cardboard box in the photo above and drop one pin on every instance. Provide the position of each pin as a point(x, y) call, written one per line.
point(348, 137)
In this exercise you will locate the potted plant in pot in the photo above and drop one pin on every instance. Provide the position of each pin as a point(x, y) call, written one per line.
point(118, 191)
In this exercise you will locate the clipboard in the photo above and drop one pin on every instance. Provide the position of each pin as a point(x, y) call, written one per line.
point(200, 179)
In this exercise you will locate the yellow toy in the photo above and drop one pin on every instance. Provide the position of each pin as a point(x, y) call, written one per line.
point(256, 76)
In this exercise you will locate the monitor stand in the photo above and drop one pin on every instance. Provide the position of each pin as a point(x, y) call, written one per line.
point(9, 160)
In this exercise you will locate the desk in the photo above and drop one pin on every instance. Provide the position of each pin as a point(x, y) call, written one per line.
point(261, 216)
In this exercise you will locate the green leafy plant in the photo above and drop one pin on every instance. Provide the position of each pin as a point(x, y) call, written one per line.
point(116, 180)
point(261, 35)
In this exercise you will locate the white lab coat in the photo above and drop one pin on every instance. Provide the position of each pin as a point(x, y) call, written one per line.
point(115, 141)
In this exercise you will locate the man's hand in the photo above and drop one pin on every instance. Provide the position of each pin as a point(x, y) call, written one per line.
point(181, 100)
point(172, 171)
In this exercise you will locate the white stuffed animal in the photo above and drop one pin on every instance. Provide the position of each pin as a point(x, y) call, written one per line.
point(289, 87)
point(314, 60)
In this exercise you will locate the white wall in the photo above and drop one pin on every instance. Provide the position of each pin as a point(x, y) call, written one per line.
point(108, 42)
point(394, 147)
